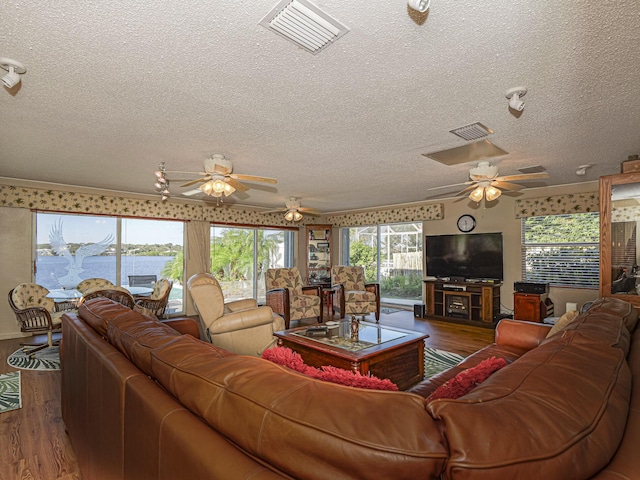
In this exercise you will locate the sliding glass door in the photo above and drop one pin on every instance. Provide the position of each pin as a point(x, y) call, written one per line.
point(241, 256)
point(391, 254)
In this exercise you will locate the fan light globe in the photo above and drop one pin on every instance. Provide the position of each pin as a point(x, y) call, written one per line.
point(289, 216)
point(297, 216)
point(492, 193)
point(218, 186)
point(477, 194)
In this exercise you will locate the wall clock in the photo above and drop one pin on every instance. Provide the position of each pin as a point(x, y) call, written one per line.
point(466, 223)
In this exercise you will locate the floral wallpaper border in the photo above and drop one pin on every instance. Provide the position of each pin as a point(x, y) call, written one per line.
point(625, 214)
point(558, 204)
point(434, 211)
point(76, 202)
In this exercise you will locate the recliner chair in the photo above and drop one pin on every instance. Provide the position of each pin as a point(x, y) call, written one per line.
point(354, 296)
point(239, 326)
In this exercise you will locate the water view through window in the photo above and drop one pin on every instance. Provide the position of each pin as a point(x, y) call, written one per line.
point(71, 248)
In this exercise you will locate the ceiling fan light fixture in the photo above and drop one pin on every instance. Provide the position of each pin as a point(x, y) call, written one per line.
point(218, 185)
point(477, 194)
point(492, 193)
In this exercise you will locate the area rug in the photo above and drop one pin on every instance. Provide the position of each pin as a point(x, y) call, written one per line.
point(436, 361)
point(47, 359)
point(10, 398)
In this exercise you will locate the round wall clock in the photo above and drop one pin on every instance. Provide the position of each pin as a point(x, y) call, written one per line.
point(466, 223)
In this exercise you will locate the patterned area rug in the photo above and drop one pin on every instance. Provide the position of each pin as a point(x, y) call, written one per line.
point(10, 398)
point(436, 361)
point(47, 359)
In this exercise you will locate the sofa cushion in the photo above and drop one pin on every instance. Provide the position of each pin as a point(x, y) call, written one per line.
point(562, 322)
point(287, 357)
point(97, 312)
point(270, 411)
point(468, 379)
point(569, 399)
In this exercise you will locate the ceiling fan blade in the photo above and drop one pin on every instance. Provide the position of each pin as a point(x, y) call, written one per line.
point(468, 189)
point(522, 176)
point(507, 186)
point(275, 210)
point(449, 186)
point(193, 182)
point(309, 211)
point(190, 193)
point(220, 169)
point(253, 178)
point(237, 185)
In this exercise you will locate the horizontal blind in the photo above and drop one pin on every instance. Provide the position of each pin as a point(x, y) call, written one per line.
point(559, 262)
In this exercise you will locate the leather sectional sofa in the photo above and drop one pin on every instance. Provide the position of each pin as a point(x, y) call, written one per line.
point(142, 401)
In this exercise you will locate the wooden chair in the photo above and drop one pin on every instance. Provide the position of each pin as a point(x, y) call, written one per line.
point(36, 314)
point(354, 296)
point(289, 298)
point(157, 302)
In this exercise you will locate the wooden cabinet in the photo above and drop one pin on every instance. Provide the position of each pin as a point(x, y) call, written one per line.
point(532, 307)
point(318, 255)
point(474, 303)
point(619, 239)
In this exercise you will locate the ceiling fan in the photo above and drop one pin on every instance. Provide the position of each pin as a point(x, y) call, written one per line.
point(486, 183)
point(218, 178)
point(293, 210)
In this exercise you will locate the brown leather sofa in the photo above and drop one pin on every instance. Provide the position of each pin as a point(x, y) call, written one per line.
point(142, 401)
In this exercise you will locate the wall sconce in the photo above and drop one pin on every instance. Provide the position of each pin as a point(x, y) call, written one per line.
point(14, 68)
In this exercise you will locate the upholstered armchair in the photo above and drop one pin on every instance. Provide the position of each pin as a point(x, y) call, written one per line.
point(36, 313)
point(156, 303)
point(289, 298)
point(353, 295)
point(239, 326)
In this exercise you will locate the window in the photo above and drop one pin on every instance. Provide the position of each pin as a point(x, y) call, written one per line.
point(71, 248)
point(562, 250)
point(391, 255)
point(241, 256)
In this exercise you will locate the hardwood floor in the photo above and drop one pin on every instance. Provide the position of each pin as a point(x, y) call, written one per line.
point(33, 442)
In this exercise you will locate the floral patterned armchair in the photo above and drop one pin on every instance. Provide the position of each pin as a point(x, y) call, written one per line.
point(354, 296)
point(289, 298)
point(89, 284)
point(36, 313)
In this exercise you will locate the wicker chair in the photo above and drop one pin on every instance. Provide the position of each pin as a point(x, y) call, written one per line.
point(117, 294)
point(93, 284)
point(354, 296)
point(157, 302)
point(289, 298)
point(36, 313)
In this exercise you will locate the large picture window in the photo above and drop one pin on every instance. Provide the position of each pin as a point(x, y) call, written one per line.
point(562, 250)
point(391, 254)
point(71, 248)
point(241, 256)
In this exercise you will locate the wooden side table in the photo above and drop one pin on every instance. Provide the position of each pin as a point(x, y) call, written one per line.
point(327, 295)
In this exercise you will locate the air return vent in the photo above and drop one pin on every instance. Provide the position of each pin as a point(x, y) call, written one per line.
point(304, 24)
point(474, 131)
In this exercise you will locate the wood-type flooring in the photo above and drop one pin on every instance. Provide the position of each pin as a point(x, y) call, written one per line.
point(33, 442)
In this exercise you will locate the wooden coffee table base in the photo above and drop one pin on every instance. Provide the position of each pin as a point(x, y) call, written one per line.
point(403, 364)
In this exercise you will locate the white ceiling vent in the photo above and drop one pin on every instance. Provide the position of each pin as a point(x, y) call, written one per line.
point(473, 131)
point(304, 24)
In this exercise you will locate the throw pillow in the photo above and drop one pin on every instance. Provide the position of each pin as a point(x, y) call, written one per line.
point(468, 379)
point(287, 357)
point(562, 322)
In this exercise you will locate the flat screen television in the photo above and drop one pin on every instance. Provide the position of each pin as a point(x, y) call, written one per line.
point(471, 256)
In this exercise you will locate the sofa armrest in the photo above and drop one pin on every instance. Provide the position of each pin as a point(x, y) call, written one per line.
point(185, 326)
point(243, 304)
point(521, 334)
point(241, 320)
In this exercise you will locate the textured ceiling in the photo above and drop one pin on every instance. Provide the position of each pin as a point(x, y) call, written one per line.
point(113, 88)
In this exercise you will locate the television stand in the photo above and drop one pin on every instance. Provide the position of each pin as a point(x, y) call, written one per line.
point(472, 303)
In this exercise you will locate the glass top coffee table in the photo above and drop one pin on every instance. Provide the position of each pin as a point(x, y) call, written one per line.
point(368, 348)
